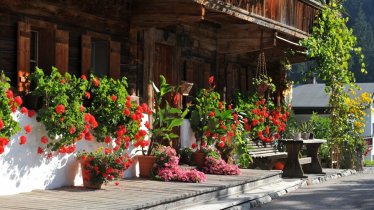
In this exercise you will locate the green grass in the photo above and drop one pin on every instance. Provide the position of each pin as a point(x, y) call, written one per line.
point(369, 163)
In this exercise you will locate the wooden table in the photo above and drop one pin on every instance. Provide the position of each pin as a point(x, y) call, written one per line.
point(311, 164)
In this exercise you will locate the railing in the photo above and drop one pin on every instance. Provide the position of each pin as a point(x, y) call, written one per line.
point(299, 14)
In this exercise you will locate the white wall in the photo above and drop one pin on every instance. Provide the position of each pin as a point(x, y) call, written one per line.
point(22, 169)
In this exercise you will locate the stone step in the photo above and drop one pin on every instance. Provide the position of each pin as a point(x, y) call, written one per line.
point(218, 192)
point(249, 198)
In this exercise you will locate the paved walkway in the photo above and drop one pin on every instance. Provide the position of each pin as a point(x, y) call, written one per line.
point(350, 192)
point(130, 194)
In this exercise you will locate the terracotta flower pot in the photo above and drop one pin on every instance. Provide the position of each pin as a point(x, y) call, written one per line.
point(146, 164)
point(198, 158)
point(86, 180)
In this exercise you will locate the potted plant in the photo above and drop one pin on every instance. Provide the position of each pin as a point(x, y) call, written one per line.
point(102, 166)
point(306, 129)
point(119, 119)
point(63, 113)
point(164, 119)
point(264, 84)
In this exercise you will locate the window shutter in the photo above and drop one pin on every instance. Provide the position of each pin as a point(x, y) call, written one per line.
point(86, 55)
point(115, 60)
point(62, 51)
point(23, 58)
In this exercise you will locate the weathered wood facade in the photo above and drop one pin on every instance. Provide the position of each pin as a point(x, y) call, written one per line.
point(140, 39)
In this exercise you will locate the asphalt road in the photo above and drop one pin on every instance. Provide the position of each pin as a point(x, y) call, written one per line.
point(351, 192)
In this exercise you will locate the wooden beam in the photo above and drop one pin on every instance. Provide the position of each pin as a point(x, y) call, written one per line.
point(244, 38)
point(229, 9)
point(54, 12)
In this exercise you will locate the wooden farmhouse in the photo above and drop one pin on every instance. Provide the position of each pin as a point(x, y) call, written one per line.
point(185, 40)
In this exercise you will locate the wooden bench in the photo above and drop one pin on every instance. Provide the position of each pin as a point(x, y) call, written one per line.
point(264, 155)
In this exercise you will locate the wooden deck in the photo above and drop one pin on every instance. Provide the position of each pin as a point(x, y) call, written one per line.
point(130, 194)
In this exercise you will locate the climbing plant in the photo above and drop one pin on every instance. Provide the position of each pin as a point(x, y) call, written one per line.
point(332, 45)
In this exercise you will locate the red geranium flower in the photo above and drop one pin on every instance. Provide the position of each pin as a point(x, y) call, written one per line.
point(108, 139)
point(40, 150)
point(22, 140)
point(1, 124)
point(211, 80)
point(84, 77)
point(126, 112)
point(18, 100)
point(114, 98)
point(27, 128)
point(194, 145)
point(211, 114)
point(88, 95)
point(95, 82)
point(31, 113)
point(3, 141)
point(88, 136)
point(44, 139)
point(60, 109)
point(9, 94)
point(72, 129)
point(24, 110)
point(81, 109)
point(221, 144)
point(147, 125)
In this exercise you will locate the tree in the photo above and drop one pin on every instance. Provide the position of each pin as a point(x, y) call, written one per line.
point(332, 44)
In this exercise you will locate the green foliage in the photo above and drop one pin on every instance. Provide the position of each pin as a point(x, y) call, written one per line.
point(321, 126)
point(108, 112)
point(165, 117)
point(321, 130)
point(9, 127)
point(205, 114)
point(369, 163)
point(57, 90)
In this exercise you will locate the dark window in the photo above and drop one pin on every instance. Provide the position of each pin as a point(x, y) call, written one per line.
point(42, 48)
point(100, 57)
point(34, 51)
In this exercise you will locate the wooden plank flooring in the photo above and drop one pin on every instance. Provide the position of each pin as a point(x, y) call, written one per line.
point(130, 194)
